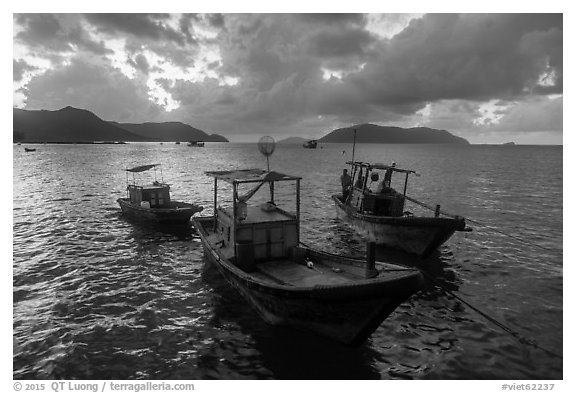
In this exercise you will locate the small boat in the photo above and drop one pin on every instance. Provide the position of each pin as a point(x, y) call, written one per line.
point(379, 214)
point(196, 144)
point(177, 143)
point(258, 251)
point(29, 149)
point(311, 144)
point(152, 201)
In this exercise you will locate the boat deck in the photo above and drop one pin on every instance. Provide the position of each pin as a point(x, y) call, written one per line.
point(256, 215)
point(288, 272)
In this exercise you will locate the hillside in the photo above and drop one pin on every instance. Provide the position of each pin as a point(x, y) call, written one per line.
point(170, 132)
point(293, 140)
point(371, 133)
point(66, 125)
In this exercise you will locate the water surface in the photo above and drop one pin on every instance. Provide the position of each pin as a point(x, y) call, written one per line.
point(99, 297)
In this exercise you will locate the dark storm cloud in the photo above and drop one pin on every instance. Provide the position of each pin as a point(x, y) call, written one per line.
point(140, 63)
point(340, 42)
point(19, 68)
point(476, 57)
point(146, 26)
point(184, 24)
point(47, 34)
point(216, 20)
point(40, 30)
point(337, 19)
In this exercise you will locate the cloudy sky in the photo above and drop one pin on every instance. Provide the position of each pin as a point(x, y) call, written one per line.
point(490, 78)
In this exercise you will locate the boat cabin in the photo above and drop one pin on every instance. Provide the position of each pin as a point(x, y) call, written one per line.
point(154, 195)
point(254, 232)
point(372, 193)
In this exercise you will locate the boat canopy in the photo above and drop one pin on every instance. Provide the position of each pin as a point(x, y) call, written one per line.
point(378, 166)
point(250, 176)
point(142, 168)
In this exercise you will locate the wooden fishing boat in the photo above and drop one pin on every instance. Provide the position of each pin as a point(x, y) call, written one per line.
point(152, 201)
point(196, 144)
point(379, 214)
point(311, 144)
point(29, 149)
point(258, 251)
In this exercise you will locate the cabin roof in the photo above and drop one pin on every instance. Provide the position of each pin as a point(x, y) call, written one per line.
point(142, 168)
point(153, 186)
point(250, 176)
point(378, 166)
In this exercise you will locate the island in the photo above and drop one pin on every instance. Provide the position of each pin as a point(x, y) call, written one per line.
point(372, 133)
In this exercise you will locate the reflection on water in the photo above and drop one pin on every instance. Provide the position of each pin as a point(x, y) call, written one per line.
point(97, 296)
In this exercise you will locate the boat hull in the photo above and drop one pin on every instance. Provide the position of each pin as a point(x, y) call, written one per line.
point(177, 213)
point(347, 314)
point(416, 235)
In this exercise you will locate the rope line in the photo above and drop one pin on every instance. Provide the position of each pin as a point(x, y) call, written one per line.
point(478, 223)
point(509, 235)
point(516, 335)
point(329, 253)
point(510, 331)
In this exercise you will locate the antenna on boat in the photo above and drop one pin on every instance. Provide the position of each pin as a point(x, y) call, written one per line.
point(354, 146)
point(267, 145)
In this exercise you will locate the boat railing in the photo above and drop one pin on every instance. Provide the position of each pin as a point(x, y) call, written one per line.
point(436, 209)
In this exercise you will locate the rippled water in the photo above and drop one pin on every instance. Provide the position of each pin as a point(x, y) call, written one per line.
point(100, 297)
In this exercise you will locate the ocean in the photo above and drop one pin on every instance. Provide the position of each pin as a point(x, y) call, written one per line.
point(97, 296)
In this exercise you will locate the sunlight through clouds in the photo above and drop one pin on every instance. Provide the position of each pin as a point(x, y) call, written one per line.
point(466, 73)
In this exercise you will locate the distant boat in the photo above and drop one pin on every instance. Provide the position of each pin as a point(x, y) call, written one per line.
point(177, 143)
point(257, 250)
point(380, 215)
point(196, 144)
point(28, 149)
point(152, 201)
point(311, 144)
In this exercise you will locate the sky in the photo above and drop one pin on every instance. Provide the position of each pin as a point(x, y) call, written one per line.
point(490, 78)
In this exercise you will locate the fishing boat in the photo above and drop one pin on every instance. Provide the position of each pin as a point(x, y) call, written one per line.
point(196, 144)
point(378, 213)
point(311, 144)
point(257, 249)
point(29, 149)
point(152, 201)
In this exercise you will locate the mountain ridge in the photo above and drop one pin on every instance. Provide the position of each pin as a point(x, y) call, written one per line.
point(69, 125)
point(372, 133)
point(170, 131)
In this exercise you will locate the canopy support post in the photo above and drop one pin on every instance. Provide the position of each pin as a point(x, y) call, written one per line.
point(406, 183)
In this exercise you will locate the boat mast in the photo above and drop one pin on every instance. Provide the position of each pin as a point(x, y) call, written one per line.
point(127, 184)
point(354, 146)
point(298, 210)
point(215, 201)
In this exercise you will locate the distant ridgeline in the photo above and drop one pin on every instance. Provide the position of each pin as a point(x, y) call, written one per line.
point(69, 125)
point(371, 133)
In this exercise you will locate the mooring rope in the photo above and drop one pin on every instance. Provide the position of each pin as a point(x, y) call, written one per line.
point(329, 253)
point(478, 223)
point(509, 235)
point(516, 335)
